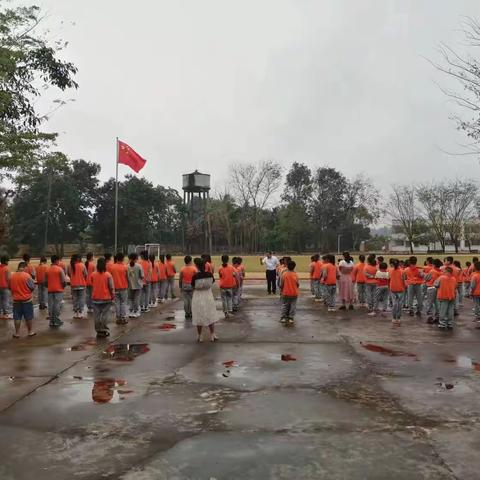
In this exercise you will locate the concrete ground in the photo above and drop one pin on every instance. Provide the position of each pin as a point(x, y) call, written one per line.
point(362, 400)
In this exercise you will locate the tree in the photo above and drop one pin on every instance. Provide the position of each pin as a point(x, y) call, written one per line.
point(403, 209)
point(465, 69)
point(29, 65)
point(255, 184)
point(60, 190)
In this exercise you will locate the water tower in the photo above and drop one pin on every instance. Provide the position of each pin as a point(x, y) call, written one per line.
point(196, 192)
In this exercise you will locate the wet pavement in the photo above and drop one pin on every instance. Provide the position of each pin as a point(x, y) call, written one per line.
point(337, 396)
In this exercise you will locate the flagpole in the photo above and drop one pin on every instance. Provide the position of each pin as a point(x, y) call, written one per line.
point(116, 201)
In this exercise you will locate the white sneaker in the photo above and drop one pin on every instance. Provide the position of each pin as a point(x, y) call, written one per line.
point(372, 314)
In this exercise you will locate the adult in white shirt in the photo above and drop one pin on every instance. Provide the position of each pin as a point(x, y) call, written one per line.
point(271, 263)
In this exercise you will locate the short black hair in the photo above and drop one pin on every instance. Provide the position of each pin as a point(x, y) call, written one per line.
point(187, 259)
point(291, 265)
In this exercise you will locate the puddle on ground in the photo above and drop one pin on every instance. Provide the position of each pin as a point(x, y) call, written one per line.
point(88, 342)
point(464, 361)
point(126, 352)
point(98, 390)
point(386, 351)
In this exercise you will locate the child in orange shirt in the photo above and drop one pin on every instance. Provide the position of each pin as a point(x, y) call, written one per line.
point(381, 294)
point(228, 281)
point(397, 291)
point(431, 304)
point(5, 295)
point(467, 274)
point(446, 286)
point(359, 279)
point(475, 291)
point(371, 282)
point(329, 276)
point(290, 287)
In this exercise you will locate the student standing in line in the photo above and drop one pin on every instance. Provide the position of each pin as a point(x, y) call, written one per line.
point(78, 281)
point(171, 272)
point(330, 276)
point(162, 279)
point(135, 284)
point(467, 274)
point(22, 287)
point(290, 288)
point(5, 294)
point(414, 280)
point(382, 292)
point(311, 270)
point(459, 276)
point(371, 282)
point(153, 301)
point(147, 276)
point(345, 268)
point(40, 279)
point(108, 260)
point(118, 271)
point(209, 266)
point(30, 269)
point(359, 280)
point(431, 304)
point(203, 303)
point(55, 281)
point(317, 278)
point(446, 286)
point(228, 281)
point(90, 266)
point(397, 291)
point(475, 291)
point(103, 294)
point(187, 273)
point(237, 292)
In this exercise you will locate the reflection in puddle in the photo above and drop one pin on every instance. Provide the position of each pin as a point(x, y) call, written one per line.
point(387, 351)
point(106, 391)
point(126, 352)
point(88, 342)
point(464, 362)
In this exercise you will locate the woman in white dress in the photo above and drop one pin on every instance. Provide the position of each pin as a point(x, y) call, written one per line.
point(346, 285)
point(204, 310)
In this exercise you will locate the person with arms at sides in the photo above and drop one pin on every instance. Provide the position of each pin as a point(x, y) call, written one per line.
point(475, 292)
point(467, 275)
point(382, 292)
point(345, 268)
point(90, 266)
point(203, 303)
point(237, 292)
point(459, 276)
point(187, 273)
point(5, 295)
point(153, 302)
point(119, 273)
point(359, 280)
point(103, 294)
point(55, 281)
point(108, 260)
point(228, 281)
point(414, 280)
point(135, 284)
point(446, 285)
point(431, 303)
point(370, 272)
point(162, 279)
point(78, 281)
point(42, 290)
point(30, 269)
point(330, 276)
point(290, 288)
point(271, 263)
point(147, 276)
point(171, 272)
point(22, 287)
point(316, 273)
point(397, 291)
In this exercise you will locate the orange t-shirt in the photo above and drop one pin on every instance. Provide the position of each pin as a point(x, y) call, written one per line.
point(19, 286)
point(78, 275)
point(413, 275)
point(358, 273)
point(90, 270)
point(476, 278)
point(317, 270)
point(4, 276)
point(154, 278)
point(466, 274)
point(101, 291)
point(227, 276)
point(188, 271)
point(109, 265)
point(30, 269)
point(54, 277)
point(147, 270)
point(434, 274)
point(290, 284)
point(118, 271)
point(209, 267)
point(170, 264)
point(397, 285)
point(448, 287)
point(41, 272)
point(330, 274)
point(162, 271)
point(372, 270)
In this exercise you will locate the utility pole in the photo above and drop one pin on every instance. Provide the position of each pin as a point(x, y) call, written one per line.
point(47, 216)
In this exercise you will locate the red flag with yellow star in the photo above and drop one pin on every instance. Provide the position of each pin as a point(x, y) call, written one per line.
point(128, 156)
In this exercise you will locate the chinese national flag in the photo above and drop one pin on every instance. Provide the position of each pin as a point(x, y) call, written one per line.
point(128, 156)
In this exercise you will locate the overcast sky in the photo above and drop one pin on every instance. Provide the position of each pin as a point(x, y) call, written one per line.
point(200, 84)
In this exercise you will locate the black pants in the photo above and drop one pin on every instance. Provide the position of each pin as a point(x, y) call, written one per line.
point(272, 281)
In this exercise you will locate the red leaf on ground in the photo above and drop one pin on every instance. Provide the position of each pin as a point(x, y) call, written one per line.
point(286, 357)
point(167, 326)
point(229, 363)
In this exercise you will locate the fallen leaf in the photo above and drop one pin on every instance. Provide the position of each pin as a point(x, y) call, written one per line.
point(286, 357)
point(229, 363)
